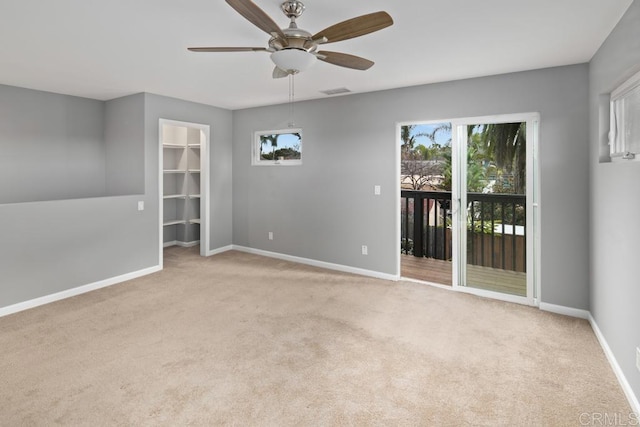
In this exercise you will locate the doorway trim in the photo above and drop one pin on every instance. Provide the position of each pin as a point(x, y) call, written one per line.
point(205, 209)
point(532, 210)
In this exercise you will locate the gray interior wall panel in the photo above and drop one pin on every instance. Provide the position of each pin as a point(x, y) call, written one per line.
point(53, 246)
point(124, 128)
point(51, 146)
point(49, 247)
point(325, 209)
point(615, 203)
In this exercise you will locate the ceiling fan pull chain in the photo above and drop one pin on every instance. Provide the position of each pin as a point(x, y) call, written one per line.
point(291, 99)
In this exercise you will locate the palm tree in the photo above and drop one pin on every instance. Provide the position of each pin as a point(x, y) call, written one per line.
point(273, 139)
point(409, 138)
point(476, 166)
point(506, 144)
point(414, 167)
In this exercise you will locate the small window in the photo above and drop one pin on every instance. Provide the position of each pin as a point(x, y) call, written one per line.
point(277, 147)
point(624, 128)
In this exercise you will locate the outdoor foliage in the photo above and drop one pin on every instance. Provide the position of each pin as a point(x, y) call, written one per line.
point(496, 158)
point(506, 145)
point(422, 167)
point(288, 153)
point(496, 163)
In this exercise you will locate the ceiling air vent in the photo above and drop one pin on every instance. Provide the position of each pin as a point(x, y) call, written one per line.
point(335, 91)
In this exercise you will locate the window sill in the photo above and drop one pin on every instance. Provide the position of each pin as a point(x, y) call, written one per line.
point(277, 163)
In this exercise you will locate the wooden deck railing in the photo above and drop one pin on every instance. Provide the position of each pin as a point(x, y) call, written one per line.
point(496, 235)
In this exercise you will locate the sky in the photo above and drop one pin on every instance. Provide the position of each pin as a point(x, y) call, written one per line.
point(442, 137)
point(285, 140)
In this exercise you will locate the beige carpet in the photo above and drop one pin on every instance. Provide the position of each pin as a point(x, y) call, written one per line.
point(237, 339)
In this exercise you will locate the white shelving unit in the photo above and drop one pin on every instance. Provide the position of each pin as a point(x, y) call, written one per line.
point(181, 185)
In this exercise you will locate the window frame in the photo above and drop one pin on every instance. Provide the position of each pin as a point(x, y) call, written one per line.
point(256, 152)
point(619, 147)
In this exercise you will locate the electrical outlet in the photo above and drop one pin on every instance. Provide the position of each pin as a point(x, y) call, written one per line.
point(271, 235)
point(365, 250)
point(638, 358)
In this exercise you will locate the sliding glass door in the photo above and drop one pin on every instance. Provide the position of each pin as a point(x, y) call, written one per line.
point(495, 206)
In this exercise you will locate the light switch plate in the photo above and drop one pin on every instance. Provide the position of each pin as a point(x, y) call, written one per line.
point(376, 190)
point(141, 205)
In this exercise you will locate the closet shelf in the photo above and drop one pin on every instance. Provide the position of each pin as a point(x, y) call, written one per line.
point(181, 164)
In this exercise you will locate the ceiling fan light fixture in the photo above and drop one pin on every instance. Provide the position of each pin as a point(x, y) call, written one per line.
point(293, 60)
point(294, 49)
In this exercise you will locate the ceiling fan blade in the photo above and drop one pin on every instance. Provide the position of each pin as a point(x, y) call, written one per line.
point(257, 17)
point(344, 60)
point(279, 73)
point(227, 49)
point(355, 27)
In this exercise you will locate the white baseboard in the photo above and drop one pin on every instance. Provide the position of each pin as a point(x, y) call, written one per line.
point(626, 387)
point(188, 244)
point(182, 244)
point(219, 250)
point(584, 314)
point(25, 305)
point(567, 311)
point(315, 263)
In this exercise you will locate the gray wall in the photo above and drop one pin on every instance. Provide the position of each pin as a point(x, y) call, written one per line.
point(51, 146)
point(615, 203)
point(52, 246)
point(325, 209)
point(124, 127)
point(160, 107)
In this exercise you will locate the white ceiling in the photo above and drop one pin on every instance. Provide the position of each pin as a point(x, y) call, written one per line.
point(111, 48)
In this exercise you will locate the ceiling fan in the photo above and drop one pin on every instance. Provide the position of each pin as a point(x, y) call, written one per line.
point(293, 49)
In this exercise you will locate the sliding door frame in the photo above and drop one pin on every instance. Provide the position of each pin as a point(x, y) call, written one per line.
point(459, 200)
point(459, 153)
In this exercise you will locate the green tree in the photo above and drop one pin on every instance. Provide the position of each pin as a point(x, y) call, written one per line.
point(506, 145)
point(409, 138)
point(478, 163)
point(444, 151)
point(421, 166)
point(266, 139)
point(273, 140)
point(476, 169)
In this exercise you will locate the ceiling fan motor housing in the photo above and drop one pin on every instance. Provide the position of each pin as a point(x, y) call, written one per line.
point(292, 8)
point(296, 38)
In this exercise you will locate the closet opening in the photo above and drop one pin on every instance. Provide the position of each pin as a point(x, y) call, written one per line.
point(183, 182)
